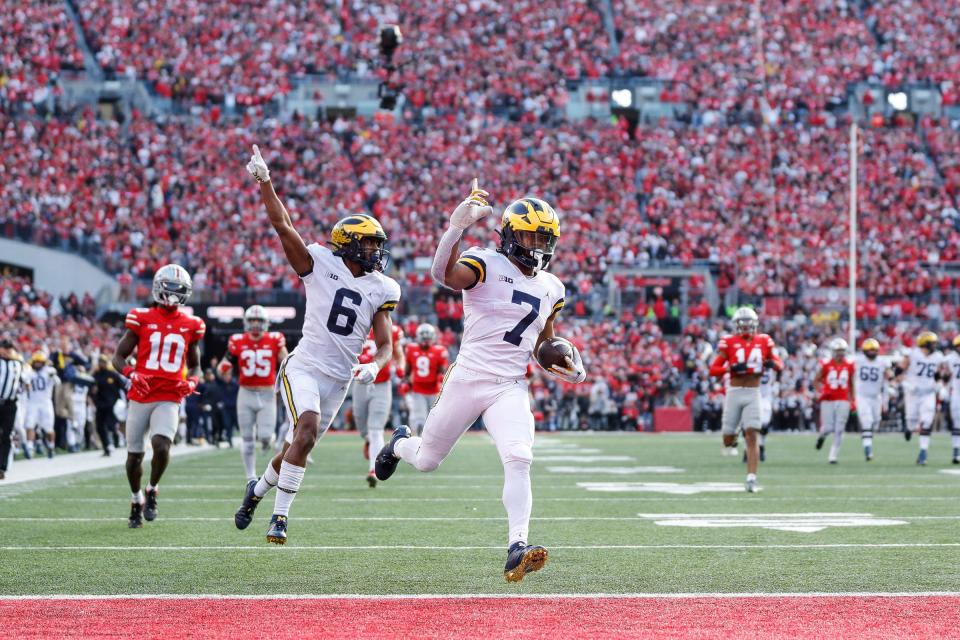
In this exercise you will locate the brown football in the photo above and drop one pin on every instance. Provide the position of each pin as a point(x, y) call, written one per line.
point(554, 351)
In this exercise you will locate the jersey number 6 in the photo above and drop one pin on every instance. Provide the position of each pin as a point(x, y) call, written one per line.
point(343, 318)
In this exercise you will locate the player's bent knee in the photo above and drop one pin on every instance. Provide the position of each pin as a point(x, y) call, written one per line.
point(521, 454)
point(426, 464)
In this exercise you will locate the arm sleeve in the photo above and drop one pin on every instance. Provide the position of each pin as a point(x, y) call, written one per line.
point(718, 367)
point(442, 256)
point(199, 330)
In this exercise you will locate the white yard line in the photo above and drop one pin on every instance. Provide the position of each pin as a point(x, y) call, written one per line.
point(641, 518)
point(485, 596)
point(596, 547)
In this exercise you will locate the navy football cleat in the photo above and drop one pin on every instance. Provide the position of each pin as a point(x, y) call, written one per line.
point(922, 458)
point(277, 533)
point(136, 516)
point(522, 560)
point(387, 460)
point(244, 515)
point(150, 508)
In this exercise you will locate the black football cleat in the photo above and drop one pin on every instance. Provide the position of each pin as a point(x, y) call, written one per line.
point(244, 515)
point(763, 453)
point(372, 480)
point(150, 508)
point(907, 434)
point(387, 460)
point(820, 441)
point(277, 533)
point(522, 560)
point(136, 516)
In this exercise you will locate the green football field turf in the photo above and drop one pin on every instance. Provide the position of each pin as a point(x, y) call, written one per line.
point(445, 532)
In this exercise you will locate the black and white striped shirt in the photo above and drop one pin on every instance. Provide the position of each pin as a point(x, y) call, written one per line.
point(10, 370)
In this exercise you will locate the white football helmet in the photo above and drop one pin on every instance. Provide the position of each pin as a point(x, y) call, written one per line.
point(172, 285)
point(255, 319)
point(746, 321)
point(426, 334)
point(838, 347)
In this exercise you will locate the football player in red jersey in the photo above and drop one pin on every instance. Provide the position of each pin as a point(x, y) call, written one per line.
point(372, 401)
point(744, 355)
point(257, 352)
point(835, 379)
point(167, 343)
point(427, 361)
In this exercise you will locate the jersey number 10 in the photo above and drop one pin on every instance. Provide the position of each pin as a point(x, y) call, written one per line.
point(166, 352)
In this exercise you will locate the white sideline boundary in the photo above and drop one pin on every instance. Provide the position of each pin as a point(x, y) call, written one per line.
point(640, 518)
point(593, 547)
point(485, 596)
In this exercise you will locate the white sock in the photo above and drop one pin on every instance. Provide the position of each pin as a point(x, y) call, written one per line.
point(150, 487)
point(137, 497)
point(867, 441)
point(287, 486)
point(751, 476)
point(248, 453)
point(955, 441)
point(376, 443)
point(763, 439)
point(835, 447)
point(267, 481)
point(924, 443)
point(517, 499)
point(407, 449)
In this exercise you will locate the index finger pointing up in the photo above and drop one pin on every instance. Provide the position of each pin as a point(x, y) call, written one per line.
point(256, 151)
point(474, 186)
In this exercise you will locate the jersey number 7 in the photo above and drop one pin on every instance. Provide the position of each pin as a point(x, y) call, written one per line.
point(515, 335)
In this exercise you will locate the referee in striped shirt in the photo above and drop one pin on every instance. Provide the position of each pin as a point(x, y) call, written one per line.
point(11, 366)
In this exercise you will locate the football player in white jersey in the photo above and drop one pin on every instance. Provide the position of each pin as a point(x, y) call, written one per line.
point(347, 293)
point(953, 361)
point(871, 375)
point(41, 380)
point(924, 365)
point(510, 304)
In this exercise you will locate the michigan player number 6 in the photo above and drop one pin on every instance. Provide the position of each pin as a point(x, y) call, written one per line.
point(343, 318)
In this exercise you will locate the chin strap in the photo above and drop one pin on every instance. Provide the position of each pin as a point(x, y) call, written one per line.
point(441, 259)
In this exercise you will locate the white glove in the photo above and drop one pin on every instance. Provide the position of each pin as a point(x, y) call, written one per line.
point(573, 372)
point(365, 373)
point(471, 209)
point(257, 167)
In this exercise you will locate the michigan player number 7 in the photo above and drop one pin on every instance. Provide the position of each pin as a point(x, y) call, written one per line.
point(510, 304)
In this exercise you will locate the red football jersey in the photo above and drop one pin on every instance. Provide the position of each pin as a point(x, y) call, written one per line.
point(426, 366)
point(753, 351)
point(165, 335)
point(835, 383)
point(370, 350)
point(257, 359)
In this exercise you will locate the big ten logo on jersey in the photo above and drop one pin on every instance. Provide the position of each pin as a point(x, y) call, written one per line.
point(166, 351)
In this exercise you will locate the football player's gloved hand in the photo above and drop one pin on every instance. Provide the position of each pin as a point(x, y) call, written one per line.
point(258, 167)
point(769, 364)
point(472, 209)
point(188, 387)
point(573, 372)
point(738, 368)
point(365, 373)
point(139, 384)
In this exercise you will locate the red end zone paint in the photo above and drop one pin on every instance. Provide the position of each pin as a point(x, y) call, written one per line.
point(487, 618)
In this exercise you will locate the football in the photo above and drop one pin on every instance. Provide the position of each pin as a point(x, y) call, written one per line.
point(554, 351)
